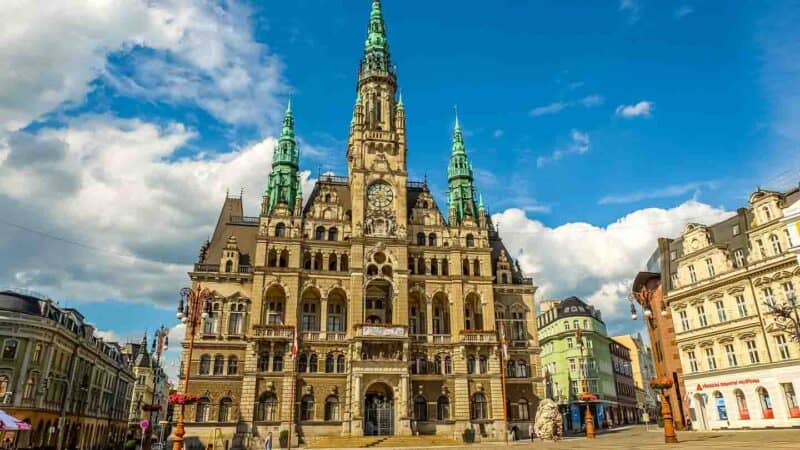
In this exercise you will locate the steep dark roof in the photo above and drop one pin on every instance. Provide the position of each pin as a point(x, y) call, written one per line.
point(232, 222)
point(16, 302)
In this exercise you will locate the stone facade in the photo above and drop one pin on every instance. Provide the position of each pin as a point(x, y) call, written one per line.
point(740, 364)
point(151, 386)
point(55, 373)
point(395, 309)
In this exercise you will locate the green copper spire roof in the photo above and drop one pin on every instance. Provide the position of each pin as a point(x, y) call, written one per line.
point(376, 47)
point(461, 191)
point(282, 185)
point(400, 100)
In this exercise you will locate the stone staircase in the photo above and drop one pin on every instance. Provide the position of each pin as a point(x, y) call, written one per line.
point(380, 442)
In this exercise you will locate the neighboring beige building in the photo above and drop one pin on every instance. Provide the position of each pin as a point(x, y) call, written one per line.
point(741, 369)
point(150, 388)
point(643, 372)
point(55, 373)
point(396, 307)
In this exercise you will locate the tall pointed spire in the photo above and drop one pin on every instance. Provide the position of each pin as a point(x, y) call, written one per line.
point(282, 185)
point(461, 191)
point(376, 47)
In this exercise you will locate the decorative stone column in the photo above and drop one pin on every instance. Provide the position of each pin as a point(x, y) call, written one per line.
point(429, 319)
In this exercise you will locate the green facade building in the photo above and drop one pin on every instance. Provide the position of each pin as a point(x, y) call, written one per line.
point(571, 368)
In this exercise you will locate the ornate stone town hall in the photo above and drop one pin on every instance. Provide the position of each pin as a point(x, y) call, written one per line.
point(396, 307)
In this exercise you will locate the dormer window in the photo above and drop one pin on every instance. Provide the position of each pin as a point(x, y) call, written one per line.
point(767, 213)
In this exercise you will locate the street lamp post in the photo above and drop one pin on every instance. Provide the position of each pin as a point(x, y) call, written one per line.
point(586, 396)
point(160, 344)
point(666, 412)
point(194, 305)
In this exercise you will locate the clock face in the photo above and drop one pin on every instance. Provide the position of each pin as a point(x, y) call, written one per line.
point(380, 195)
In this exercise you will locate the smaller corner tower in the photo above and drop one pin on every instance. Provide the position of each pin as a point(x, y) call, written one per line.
point(283, 185)
point(461, 189)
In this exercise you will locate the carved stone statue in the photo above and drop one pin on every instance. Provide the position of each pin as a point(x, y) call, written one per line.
point(548, 424)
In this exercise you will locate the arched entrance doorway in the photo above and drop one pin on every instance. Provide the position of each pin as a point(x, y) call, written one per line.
point(378, 410)
point(700, 406)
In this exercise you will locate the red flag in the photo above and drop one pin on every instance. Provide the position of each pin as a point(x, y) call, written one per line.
point(503, 343)
point(294, 344)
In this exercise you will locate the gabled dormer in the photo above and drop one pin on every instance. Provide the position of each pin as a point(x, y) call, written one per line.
point(229, 261)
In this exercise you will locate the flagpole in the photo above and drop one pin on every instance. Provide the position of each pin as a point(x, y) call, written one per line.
point(292, 389)
point(503, 347)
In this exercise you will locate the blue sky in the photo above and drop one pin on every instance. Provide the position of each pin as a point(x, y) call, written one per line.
point(594, 128)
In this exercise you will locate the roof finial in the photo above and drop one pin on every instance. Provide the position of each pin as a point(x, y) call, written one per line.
point(457, 127)
point(289, 105)
point(400, 98)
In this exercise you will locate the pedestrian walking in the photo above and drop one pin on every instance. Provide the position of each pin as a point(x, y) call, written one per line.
point(530, 431)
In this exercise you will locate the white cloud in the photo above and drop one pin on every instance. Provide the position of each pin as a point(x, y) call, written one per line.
point(172, 357)
point(632, 8)
point(588, 101)
point(116, 186)
point(674, 190)
point(682, 11)
point(641, 109)
point(199, 52)
point(552, 108)
point(595, 263)
point(579, 144)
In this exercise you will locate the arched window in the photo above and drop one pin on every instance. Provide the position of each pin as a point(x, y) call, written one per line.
point(434, 266)
point(236, 320)
point(722, 410)
point(329, 363)
point(421, 266)
point(307, 408)
point(448, 365)
point(504, 278)
point(483, 364)
point(412, 266)
point(312, 363)
point(332, 262)
point(3, 386)
point(274, 307)
point(333, 234)
point(476, 268)
point(332, 408)
point(420, 408)
point(523, 412)
point(219, 364)
point(263, 361)
point(776, 245)
point(267, 407)
point(511, 369)
point(272, 258)
point(766, 403)
point(741, 403)
point(465, 267)
point(302, 363)
point(307, 260)
point(479, 409)
point(471, 364)
point(420, 238)
point(343, 263)
point(443, 408)
point(205, 365)
point(284, 259)
point(335, 317)
point(470, 240)
point(437, 365)
point(228, 266)
point(224, 414)
point(233, 365)
point(432, 239)
point(522, 368)
point(277, 362)
point(280, 230)
point(318, 261)
point(445, 267)
point(767, 212)
point(201, 410)
point(319, 233)
point(340, 364)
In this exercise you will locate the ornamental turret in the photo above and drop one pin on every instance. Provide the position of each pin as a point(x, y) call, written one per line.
point(377, 79)
point(283, 185)
point(461, 192)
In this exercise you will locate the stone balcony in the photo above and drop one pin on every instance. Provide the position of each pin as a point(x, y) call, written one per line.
point(478, 337)
point(380, 331)
point(273, 332)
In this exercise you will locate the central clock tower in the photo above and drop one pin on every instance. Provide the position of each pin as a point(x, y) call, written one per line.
point(376, 150)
